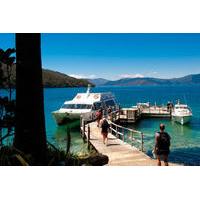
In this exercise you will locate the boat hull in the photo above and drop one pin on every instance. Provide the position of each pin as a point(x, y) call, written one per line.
point(64, 117)
point(182, 119)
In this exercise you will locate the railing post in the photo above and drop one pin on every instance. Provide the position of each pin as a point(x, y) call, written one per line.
point(142, 144)
point(117, 132)
point(88, 137)
point(83, 134)
point(123, 134)
point(131, 138)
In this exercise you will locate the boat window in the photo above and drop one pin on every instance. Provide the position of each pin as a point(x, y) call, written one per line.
point(97, 105)
point(110, 103)
point(181, 107)
point(77, 106)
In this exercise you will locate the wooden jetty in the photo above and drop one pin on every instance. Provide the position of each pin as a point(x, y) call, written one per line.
point(135, 113)
point(155, 111)
point(118, 150)
point(129, 115)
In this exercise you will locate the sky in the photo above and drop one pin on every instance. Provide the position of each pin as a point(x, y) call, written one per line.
point(116, 56)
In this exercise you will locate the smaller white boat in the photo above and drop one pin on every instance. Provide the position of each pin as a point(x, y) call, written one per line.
point(143, 105)
point(181, 113)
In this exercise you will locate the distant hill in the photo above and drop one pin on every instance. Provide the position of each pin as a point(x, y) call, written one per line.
point(98, 81)
point(190, 79)
point(55, 79)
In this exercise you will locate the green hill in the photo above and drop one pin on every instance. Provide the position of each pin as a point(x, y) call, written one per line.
point(53, 79)
point(57, 79)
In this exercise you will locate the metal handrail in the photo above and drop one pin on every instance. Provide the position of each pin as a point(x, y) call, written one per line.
point(141, 141)
point(132, 130)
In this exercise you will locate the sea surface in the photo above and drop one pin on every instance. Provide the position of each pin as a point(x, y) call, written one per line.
point(185, 144)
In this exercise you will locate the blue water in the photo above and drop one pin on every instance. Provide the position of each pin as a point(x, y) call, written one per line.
point(185, 147)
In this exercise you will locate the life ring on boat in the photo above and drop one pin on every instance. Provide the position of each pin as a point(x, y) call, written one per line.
point(96, 96)
point(78, 97)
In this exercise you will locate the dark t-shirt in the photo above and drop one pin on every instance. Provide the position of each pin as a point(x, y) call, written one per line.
point(105, 126)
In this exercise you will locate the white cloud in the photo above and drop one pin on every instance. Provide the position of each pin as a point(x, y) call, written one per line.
point(83, 76)
point(131, 76)
point(152, 74)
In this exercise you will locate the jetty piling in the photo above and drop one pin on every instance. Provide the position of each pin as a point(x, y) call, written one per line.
point(88, 137)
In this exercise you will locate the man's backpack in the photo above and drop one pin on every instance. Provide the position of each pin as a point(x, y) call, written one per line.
point(163, 141)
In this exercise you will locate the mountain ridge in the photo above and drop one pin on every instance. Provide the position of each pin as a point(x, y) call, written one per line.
point(188, 79)
point(98, 81)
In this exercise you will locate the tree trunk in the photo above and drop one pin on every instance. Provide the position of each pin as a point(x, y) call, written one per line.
point(30, 136)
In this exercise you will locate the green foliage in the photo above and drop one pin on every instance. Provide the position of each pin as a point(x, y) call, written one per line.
point(10, 156)
point(7, 106)
point(6, 65)
point(7, 112)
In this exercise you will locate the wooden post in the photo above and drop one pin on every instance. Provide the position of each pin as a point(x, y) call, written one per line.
point(123, 134)
point(117, 131)
point(81, 125)
point(88, 137)
point(142, 145)
point(83, 128)
point(131, 138)
point(118, 111)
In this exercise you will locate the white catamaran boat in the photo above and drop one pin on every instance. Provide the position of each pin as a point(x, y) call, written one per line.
point(84, 103)
point(181, 113)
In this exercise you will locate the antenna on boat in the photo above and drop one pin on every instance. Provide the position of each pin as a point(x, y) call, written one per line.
point(88, 89)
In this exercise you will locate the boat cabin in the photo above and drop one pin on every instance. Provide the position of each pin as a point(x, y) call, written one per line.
point(91, 101)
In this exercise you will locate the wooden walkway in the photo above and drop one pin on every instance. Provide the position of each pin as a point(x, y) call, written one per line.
point(118, 152)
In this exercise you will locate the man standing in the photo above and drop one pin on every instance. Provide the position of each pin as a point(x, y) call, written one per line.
point(162, 144)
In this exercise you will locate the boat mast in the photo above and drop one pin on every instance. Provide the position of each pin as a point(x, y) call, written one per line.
point(88, 90)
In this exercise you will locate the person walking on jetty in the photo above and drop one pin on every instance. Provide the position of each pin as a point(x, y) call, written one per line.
point(162, 145)
point(99, 115)
point(109, 111)
point(104, 130)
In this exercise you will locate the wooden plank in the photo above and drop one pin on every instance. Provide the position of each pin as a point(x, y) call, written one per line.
point(118, 152)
